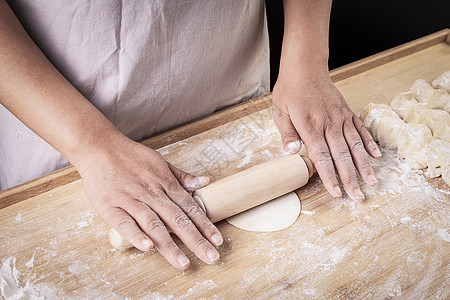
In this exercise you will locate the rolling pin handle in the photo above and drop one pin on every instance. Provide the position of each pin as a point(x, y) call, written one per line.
point(200, 203)
point(309, 164)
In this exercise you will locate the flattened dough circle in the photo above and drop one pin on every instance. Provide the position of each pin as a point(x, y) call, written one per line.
point(277, 214)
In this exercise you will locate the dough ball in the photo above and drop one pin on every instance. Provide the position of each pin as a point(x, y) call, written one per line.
point(438, 157)
point(413, 144)
point(388, 131)
point(372, 115)
point(424, 92)
point(442, 82)
point(118, 241)
point(446, 174)
point(432, 118)
point(440, 100)
point(403, 103)
point(415, 112)
point(277, 214)
point(365, 111)
point(443, 130)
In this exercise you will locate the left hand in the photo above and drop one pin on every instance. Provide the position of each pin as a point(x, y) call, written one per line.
point(308, 108)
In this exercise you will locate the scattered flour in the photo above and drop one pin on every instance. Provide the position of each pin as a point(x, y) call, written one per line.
point(306, 212)
point(444, 234)
point(30, 263)
point(9, 283)
point(246, 159)
point(405, 219)
point(19, 217)
point(78, 267)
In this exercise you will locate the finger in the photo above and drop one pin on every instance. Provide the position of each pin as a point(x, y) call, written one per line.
point(343, 161)
point(321, 157)
point(180, 224)
point(196, 214)
point(359, 154)
point(189, 182)
point(123, 223)
point(153, 227)
point(289, 136)
point(367, 139)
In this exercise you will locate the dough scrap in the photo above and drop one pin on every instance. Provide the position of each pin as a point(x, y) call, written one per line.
point(388, 131)
point(277, 214)
point(435, 98)
point(438, 157)
point(373, 113)
point(442, 82)
point(403, 103)
point(413, 143)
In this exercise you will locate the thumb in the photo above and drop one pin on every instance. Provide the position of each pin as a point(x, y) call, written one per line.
point(289, 137)
point(189, 182)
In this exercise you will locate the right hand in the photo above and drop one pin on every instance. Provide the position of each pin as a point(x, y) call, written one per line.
point(144, 197)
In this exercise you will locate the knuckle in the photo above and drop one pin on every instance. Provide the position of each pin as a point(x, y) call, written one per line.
point(366, 165)
point(351, 180)
point(199, 242)
point(344, 156)
point(172, 184)
point(288, 134)
point(154, 225)
point(125, 222)
point(170, 246)
point(182, 221)
point(357, 146)
point(193, 210)
point(322, 156)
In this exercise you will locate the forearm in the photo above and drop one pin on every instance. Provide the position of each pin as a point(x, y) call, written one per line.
point(305, 40)
point(35, 92)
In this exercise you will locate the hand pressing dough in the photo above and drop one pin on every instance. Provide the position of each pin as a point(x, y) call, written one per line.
point(442, 82)
point(277, 214)
point(438, 157)
point(413, 143)
point(388, 131)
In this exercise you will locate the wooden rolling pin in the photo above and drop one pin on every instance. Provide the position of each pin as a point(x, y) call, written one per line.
point(241, 191)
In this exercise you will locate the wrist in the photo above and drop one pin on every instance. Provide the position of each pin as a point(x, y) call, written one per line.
point(96, 144)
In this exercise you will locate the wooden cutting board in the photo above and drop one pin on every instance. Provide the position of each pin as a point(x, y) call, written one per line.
point(395, 244)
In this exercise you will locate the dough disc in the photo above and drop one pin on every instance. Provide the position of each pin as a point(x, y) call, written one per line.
point(277, 214)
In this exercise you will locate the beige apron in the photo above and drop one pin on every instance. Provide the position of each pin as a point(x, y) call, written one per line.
point(146, 65)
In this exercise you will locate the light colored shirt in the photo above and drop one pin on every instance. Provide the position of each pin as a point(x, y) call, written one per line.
point(146, 65)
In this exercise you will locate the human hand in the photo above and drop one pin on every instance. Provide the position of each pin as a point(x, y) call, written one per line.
point(144, 197)
point(308, 107)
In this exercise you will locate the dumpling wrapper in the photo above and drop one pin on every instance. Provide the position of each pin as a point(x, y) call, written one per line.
point(277, 214)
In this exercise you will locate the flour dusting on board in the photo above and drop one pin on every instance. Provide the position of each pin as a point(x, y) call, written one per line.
point(232, 148)
point(295, 263)
point(9, 283)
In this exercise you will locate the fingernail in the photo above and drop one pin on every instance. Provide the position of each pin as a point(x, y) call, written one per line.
point(216, 239)
point(337, 192)
point(372, 180)
point(197, 183)
point(292, 147)
point(212, 255)
point(358, 195)
point(375, 150)
point(183, 260)
point(147, 244)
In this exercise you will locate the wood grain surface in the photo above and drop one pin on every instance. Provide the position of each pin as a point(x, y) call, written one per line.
point(395, 244)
